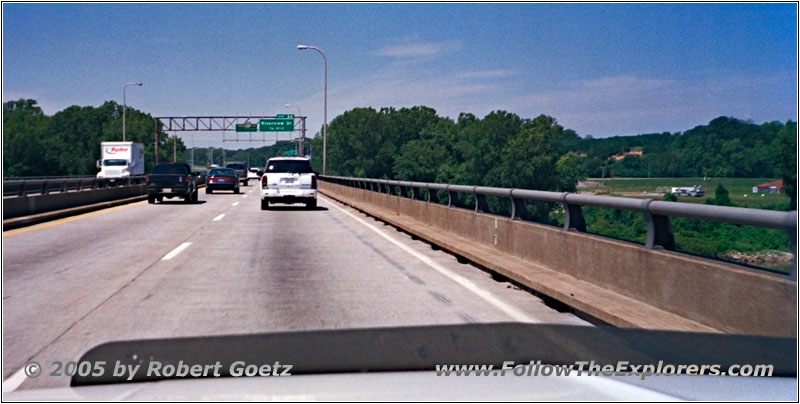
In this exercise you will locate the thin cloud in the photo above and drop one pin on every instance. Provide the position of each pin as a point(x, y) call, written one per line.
point(419, 50)
point(485, 74)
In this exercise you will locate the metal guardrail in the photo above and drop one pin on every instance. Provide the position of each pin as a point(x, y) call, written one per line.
point(656, 213)
point(39, 186)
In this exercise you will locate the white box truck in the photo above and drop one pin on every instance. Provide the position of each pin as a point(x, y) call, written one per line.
point(120, 159)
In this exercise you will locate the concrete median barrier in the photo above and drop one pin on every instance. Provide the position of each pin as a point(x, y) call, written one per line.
point(616, 282)
point(35, 204)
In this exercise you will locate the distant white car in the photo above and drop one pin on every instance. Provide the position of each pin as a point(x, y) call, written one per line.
point(288, 180)
point(689, 191)
point(252, 174)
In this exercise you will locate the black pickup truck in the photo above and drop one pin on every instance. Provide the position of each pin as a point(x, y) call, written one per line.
point(172, 180)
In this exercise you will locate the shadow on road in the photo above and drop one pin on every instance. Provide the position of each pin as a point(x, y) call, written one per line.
point(179, 202)
point(294, 208)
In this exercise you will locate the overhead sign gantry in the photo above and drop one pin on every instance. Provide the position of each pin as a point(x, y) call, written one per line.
point(249, 124)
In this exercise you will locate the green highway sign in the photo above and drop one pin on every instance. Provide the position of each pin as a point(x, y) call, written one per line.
point(276, 125)
point(290, 153)
point(246, 127)
point(285, 116)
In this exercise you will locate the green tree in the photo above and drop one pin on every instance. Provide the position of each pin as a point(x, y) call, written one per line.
point(721, 197)
point(24, 141)
point(570, 169)
point(785, 150)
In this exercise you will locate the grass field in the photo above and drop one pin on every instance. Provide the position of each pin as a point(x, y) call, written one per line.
point(740, 189)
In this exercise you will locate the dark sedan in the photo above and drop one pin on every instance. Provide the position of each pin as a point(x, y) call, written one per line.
point(222, 179)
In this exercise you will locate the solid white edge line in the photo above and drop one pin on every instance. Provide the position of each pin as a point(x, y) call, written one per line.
point(485, 295)
point(219, 217)
point(14, 380)
point(176, 251)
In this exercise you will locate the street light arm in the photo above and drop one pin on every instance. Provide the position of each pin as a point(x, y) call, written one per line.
point(325, 103)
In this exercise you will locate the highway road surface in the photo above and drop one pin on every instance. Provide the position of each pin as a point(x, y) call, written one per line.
point(223, 266)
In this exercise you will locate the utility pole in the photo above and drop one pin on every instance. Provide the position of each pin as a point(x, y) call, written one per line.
point(612, 179)
point(155, 133)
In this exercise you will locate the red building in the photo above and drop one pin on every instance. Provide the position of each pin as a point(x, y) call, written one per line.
point(775, 187)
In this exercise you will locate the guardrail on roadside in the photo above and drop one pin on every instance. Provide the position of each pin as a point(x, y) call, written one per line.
point(656, 213)
point(21, 187)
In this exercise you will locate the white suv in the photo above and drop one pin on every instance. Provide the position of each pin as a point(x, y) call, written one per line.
point(288, 180)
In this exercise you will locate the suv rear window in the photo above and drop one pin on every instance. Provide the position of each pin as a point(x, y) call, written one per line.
point(288, 166)
point(171, 169)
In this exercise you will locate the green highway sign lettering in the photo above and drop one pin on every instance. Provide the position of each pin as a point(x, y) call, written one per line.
point(276, 125)
point(246, 127)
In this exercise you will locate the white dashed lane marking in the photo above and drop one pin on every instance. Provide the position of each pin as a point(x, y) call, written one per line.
point(176, 251)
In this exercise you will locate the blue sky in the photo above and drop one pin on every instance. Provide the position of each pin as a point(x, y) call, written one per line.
point(600, 69)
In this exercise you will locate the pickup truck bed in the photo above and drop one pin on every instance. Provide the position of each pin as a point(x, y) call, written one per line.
point(172, 180)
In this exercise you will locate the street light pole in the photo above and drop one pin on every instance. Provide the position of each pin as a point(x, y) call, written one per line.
point(325, 103)
point(125, 106)
point(301, 144)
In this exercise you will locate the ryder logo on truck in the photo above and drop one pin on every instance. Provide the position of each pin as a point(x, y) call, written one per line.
point(114, 150)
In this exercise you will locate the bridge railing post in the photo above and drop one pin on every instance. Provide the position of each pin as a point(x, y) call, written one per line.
point(519, 210)
point(404, 191)
point(433, 195)
point(418, 193)
point(659, 229)
point(573, 215)
point(452, 198)
point(481, 206)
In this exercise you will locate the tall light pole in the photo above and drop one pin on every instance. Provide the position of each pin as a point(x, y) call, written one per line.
point(325, 103)
point(125, 106)
point(301, 144)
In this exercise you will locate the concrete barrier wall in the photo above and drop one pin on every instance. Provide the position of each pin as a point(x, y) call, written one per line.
point(30, 205)
point(726, 297)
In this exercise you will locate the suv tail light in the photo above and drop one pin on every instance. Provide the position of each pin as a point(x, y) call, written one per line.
point(188, 179)
point(264, 182)
point(147, 179)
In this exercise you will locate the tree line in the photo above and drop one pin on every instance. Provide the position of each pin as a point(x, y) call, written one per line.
point(725, 147)
point(501, 149)
point(416, 144)
point(505, 150)
point(68, 142)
